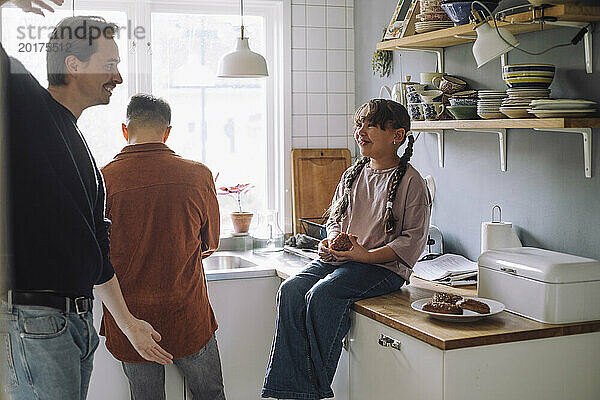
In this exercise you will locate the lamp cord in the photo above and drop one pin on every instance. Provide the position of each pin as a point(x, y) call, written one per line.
point(576, 39)
point(242, 16)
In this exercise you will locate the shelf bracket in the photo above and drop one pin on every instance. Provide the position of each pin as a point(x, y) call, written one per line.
point(501, 132)
point(440, 142)
point(587, 40)
point(439, 52)
point(587, 144)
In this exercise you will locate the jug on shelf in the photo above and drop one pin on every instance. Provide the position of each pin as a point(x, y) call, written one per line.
point(395, 93)
point(267, 237)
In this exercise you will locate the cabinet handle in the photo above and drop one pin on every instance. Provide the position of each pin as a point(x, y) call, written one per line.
point(386, 341)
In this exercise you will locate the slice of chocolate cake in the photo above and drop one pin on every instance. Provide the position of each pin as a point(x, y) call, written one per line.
point(474, 305)
point(442, 308)
point(443, 297)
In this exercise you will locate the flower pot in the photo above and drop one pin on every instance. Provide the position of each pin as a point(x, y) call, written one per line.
point(241, 221)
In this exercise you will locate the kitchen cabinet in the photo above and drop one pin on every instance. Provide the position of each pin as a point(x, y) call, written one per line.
point(541, 369)
point(245, 312)
point(412, 371)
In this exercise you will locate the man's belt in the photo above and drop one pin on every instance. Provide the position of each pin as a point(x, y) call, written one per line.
point(79, 305)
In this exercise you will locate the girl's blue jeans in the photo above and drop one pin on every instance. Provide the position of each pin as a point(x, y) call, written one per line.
point(313, 316)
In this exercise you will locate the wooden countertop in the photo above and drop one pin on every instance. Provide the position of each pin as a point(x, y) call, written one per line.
point(394, 310)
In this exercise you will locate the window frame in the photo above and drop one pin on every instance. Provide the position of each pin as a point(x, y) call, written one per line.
point(277, 14)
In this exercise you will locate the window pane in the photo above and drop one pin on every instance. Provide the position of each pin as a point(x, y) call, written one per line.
point(100, 125)
point(219, 122)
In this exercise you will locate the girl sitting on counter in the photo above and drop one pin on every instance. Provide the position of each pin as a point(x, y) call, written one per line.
point(381, 208)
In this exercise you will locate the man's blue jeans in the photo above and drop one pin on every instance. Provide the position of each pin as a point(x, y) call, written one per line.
point(313, 316)
point(46, 354)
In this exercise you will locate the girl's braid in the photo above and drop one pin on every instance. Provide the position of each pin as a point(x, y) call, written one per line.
point(339, 208)
point(388, 216)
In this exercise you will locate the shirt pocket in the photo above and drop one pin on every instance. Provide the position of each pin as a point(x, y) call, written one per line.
point(44, 327)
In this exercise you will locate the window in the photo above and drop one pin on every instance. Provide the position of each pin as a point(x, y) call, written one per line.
point(231, 125)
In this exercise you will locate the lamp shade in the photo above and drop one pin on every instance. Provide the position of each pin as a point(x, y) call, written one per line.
point(242, 63)
point(490, 45)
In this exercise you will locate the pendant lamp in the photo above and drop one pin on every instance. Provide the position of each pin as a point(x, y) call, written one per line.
point(243, 62)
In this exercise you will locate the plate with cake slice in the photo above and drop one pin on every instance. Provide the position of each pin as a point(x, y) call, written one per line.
point(451, 307)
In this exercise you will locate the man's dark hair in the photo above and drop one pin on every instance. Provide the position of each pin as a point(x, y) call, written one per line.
point(75, 36)
point(145, 108)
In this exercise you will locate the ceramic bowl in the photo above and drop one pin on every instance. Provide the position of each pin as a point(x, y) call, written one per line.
point(463, 101)
point(463, 112)
point(430, 96)
point(460, 11)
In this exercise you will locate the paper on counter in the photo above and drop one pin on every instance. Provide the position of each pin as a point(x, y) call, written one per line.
point(444, 266)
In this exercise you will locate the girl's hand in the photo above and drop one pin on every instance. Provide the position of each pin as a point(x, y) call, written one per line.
point(324, 251)
point(356, 253)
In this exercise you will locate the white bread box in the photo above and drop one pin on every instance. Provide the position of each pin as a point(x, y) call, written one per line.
point(543, 285)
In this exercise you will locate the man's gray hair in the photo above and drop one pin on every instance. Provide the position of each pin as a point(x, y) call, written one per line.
point(147, 109)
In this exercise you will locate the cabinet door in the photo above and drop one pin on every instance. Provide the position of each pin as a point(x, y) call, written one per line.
point(245, 312)
point(341, 383)
point(414, 371)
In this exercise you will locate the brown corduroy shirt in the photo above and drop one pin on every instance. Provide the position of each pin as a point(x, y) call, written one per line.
point(165, 220)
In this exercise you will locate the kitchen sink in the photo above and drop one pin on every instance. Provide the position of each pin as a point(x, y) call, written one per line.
point(216, 262)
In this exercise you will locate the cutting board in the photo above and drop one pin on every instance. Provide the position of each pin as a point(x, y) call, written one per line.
point(315, 176)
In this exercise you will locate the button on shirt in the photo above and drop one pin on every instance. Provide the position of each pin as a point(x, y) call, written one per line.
point(165, 218)
point(59, 235)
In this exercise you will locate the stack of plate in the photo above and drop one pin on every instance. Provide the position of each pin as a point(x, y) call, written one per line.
point(517, 103)
point(558, 108)
point(428, 26)
point(489, 103)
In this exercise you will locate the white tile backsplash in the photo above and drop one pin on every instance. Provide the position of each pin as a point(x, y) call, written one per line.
point(298, 59)
point(316, 38)
point(300, 142)
point(350, 61)
point(350, 17)
point(316, 60)
point(316, 82)
point(336, 60)
point(317, 125)
point(317, 142)
point(299, 125)
point(336, 82)
point(337, 142)
point(336, 17)
point(336, 103)
point(298, 37)
point(315, 16)
point(322, 40)
point(350, 82)
point(317, 103)
point(337, 125)
point(336, 38)
point(298, 15)
point(299, 103)
point(350, 39)
point(298, 81)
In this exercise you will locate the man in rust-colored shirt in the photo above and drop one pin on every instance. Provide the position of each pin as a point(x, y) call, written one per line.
point(165, 220)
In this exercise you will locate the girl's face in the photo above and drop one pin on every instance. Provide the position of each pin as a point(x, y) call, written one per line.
point(377, 143)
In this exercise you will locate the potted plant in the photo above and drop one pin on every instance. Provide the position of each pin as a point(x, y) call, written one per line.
point(241, 219)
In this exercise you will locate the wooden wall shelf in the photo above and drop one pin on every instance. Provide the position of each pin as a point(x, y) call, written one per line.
point(582, 126)
point(447, 37)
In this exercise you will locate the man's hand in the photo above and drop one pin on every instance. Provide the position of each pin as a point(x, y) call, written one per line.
point(324, 251)
point(356, 252)
point(34, 6)
point(144, 340)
